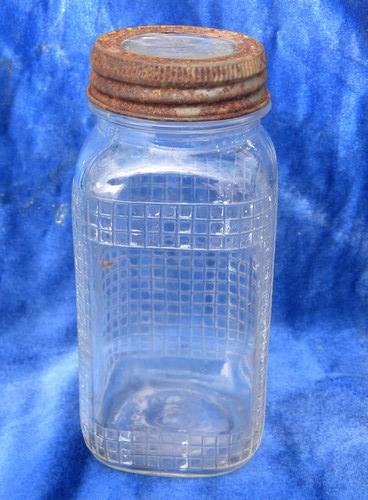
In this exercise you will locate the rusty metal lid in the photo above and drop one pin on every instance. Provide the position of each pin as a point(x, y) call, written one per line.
point(179, 73)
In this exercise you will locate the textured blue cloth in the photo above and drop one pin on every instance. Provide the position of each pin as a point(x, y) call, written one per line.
point(316, 439)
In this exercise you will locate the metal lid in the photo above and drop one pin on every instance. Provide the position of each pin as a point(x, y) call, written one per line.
point(178, 73)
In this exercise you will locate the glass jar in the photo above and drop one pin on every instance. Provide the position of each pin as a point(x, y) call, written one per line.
point(174, 229)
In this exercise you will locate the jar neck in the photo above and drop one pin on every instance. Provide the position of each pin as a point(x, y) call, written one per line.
point(197, 135)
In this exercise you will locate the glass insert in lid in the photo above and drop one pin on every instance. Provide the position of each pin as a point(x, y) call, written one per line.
point(179, 46)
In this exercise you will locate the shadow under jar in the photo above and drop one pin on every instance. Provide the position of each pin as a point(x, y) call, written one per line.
point(174, 203)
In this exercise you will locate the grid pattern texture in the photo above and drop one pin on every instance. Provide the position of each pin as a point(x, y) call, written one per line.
point(180, 280)
point(170, 450)
point(185, 226)
point(175, 302)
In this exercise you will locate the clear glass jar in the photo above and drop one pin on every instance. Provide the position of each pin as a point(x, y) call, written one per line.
point(174, 230)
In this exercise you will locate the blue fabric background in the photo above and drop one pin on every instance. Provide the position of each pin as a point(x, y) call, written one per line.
point(316, 439)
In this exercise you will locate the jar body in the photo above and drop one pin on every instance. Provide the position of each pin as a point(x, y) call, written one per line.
point(174, 228)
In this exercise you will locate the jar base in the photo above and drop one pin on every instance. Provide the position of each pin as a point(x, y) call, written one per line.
point(162, 422)
point(173, 474)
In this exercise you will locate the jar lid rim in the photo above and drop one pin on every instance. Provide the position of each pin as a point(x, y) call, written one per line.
point(127, 81)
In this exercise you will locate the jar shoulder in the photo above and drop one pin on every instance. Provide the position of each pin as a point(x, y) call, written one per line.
point(109, 167)
point(93, 147)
